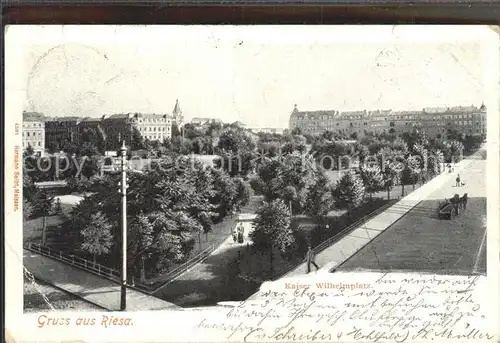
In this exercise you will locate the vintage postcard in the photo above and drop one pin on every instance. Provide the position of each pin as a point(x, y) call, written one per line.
point(252, 183)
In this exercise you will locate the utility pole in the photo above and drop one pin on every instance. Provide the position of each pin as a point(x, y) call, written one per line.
point(123, 191)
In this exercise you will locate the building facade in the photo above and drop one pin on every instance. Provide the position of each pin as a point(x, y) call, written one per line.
point(119, 127)
point(154, 126)
point(438, 122)
point(205, 121)
point(276, 130)
point(60, 130)
point(34, 131)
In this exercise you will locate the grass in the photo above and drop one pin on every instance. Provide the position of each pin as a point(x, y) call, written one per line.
point(255, 265)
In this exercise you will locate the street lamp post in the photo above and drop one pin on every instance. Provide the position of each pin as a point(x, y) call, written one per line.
point(123, 295)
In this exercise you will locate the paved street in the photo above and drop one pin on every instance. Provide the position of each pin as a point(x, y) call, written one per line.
point(89, 287)
point(41, 296)
point(420, 216)
point(421, 241)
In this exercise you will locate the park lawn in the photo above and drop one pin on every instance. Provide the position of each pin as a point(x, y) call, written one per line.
point(256, 265)
point(32, 228)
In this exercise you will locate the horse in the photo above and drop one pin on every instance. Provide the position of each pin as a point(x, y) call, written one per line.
point(464, 200)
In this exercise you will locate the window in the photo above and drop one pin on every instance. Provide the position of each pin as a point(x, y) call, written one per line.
point(27, 134)
point(39, 143)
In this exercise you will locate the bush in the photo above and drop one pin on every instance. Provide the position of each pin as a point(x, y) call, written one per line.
point(256, 185)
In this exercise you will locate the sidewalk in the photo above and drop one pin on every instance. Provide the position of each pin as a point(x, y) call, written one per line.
point(214, 279)
point(88, 286)
point(339, 252)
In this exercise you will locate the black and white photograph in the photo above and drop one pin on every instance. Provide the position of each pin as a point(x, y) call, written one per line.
point(173, 170)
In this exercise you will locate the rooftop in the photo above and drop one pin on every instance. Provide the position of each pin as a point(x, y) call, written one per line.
point(33, 116)
point(63, 119)
point(428, 110)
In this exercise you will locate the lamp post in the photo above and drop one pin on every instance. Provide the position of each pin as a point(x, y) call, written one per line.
point(123, 191)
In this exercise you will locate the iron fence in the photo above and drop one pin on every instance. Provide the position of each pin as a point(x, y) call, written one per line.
point(76, 261)
point(328, 242)
point(114, 274)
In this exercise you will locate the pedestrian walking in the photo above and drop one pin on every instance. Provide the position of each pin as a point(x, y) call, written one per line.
point(241, 230)
point(464, 201)
point(310, 258)
point(457, 180)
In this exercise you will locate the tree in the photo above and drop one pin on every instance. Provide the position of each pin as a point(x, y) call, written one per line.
point(137, 140)
point(27, 210)
point(456, 151)
point(373, 179)
point(29, 188)
point(243, 193)
point(392, 171)
point(224, 197)
point(141, 243)
point(272, 228)
point(53, 147)
point(349, 191)
point(237, 150)
point(29, 150)
point(414, 167)
point(318, 200)
point(58, 207)
point(88, 149)
point(290, 196)
point(69, 147)
point(97, 237)
point(270, 178)
point(42, 204)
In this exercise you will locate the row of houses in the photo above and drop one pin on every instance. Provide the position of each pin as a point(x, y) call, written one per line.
point(438, 122)
point(41, 132)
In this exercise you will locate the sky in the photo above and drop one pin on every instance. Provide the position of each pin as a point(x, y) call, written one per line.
point(251, 74)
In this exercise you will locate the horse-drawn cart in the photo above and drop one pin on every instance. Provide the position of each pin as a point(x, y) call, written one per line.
point(452, 207)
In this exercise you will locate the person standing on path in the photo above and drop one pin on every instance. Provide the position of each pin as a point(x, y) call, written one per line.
point(458, 180)
point(240, 232)
point(310, 258)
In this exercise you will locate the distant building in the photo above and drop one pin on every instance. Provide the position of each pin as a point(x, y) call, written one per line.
point(60, 130)
point(119, 127)
point(205, 121)
point(154, 126)
point(269, 130)
point(436, 121)
point(239, 124)
point(34, 131)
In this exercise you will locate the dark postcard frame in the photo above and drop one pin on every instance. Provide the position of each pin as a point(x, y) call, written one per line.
point(238, 13)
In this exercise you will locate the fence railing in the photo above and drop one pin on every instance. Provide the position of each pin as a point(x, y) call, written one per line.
point(172, 275)
point(76, 261)
point(329, 241)
point(113, 274)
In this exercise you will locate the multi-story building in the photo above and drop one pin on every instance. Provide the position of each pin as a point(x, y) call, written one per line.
point(205, 121)
point(438, 122)
point(119, 127)
point(154, 126)
point(34, 131)
point(61, 130)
